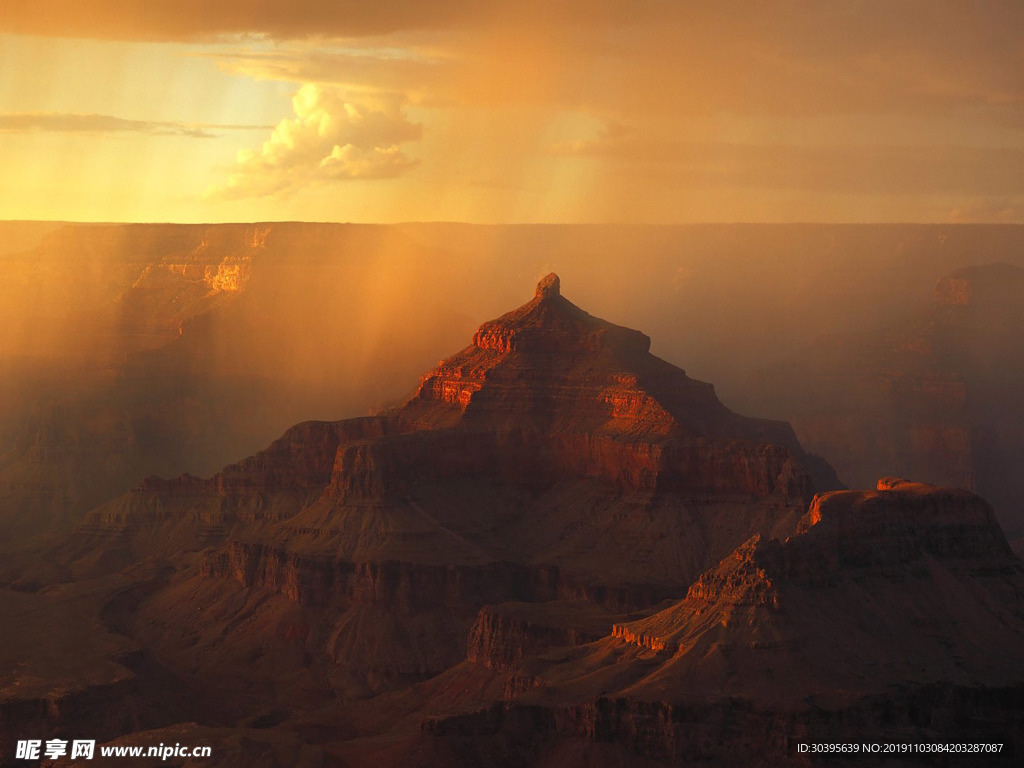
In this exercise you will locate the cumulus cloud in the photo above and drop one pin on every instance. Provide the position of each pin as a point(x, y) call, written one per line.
point(73, 122)
point(329, 139)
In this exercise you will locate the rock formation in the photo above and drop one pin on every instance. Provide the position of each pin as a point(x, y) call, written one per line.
point(559, 549)
point(893, 614)
point(553, 459)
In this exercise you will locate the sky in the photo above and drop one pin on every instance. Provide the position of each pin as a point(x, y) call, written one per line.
point(489, 111)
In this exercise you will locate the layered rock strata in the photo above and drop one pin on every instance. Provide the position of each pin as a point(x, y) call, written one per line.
point(554, 458)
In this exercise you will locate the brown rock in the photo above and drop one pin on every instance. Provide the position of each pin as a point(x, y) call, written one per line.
point(894, 615)
point(554, 459)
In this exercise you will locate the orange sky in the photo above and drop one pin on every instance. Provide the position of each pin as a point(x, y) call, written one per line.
point(605, 110)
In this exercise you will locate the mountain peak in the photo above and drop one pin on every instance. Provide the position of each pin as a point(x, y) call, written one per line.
point(552, 367)
point(550, 323)
point(548, 286)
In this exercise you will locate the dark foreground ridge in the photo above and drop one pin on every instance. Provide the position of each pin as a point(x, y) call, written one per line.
point(893, 616)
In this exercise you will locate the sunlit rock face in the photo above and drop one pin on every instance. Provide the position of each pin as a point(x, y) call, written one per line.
point(185, 285)
point(605, 405)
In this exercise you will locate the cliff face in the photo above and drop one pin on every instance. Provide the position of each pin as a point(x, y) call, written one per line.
point(83, 415)
point(394, 586)
point(503, 636)
point(184, 285)
point(901, 532)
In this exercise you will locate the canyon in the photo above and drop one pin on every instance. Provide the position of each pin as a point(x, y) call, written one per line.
point(557, 549)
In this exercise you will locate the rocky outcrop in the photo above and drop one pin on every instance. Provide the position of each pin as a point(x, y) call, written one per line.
point(741, 580)
point(897, 524)
point(272, 484)
point(586, 397)
point(304, 457)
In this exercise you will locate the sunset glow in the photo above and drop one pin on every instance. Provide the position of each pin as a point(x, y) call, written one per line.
point(567, 112)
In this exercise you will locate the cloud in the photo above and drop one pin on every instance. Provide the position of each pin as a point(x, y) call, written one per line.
point(671, 59)
point(71, 122)
point(868, 168)
point(890, 97)
point(329, 139)
point(190, 20)
point(422, 77)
